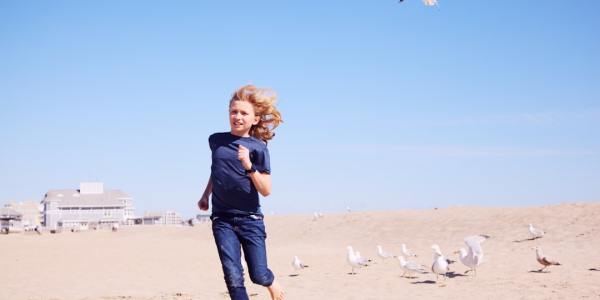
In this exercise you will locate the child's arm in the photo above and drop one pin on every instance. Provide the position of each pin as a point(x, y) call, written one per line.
point(261, 181)
point(203, 202)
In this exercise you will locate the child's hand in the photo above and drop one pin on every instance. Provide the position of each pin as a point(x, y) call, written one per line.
point(244, 157)
point(203, 203)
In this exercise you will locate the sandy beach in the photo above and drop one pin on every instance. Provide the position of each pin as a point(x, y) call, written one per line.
point(182, 263)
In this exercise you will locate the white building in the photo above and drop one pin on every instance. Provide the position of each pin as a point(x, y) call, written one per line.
point(10, 220)
point(88, 205)
point(30, 211)
point(162, 218)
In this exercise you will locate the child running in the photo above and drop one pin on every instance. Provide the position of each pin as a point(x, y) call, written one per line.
point(240, 170)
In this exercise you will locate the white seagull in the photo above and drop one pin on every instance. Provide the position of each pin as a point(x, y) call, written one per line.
point(407, 252)
point(362, 260)
point(410, 267)
point(315, 216)
point(472, 257)
point(353, 260)
point(440, 263)
point(297, 264)
point(536, 233)
point(382, 253)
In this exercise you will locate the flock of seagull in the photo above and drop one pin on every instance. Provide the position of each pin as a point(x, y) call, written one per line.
point(472, 256)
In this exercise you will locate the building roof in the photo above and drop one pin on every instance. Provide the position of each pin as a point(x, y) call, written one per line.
point(6, 212)
point(72, 197)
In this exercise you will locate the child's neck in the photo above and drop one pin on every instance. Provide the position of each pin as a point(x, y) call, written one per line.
point(241, 134)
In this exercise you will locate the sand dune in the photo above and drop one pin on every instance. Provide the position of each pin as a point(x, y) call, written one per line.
point(182, 263)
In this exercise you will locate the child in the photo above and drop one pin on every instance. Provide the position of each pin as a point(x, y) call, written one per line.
point(240, 170)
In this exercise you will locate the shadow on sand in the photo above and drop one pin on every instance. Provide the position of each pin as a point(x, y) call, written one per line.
point(448, 275)
point(527, 240)
point(423, 282)
point(594, 269)
point(453, 274)
point(410, 277)
point(539, 271)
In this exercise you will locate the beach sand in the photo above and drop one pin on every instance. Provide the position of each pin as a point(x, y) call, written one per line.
point(156, 262)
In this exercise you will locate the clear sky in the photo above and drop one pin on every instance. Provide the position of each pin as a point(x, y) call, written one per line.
point(386, 105)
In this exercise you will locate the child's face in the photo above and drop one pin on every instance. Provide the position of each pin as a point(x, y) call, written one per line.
point(242, 117)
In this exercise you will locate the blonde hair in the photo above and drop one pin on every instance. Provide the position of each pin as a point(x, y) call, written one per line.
point(263, 102)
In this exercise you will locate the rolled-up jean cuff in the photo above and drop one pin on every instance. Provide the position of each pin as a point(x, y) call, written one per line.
point(268, 283)
point(266, 279)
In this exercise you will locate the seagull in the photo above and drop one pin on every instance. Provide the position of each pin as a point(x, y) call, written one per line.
point(542, 259)
point(407, 252)
point(382, 253)
point(410, 267)
point(535, 232)
point(440, 263)
point(297, 264)
point(353, 260)
point(315, 216)
point(474, 256)
point(361, 260)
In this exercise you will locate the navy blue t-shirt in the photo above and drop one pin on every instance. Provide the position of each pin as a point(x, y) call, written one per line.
point(232, 189)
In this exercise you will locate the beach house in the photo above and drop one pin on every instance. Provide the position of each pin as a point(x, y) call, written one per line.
point(88, 206)
point(30, 212)
point(10, 220)
point(162, 218)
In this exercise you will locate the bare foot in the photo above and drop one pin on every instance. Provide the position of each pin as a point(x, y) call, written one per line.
point(276, 291)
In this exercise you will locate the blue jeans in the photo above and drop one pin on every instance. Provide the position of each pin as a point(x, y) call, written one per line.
point(233, 233)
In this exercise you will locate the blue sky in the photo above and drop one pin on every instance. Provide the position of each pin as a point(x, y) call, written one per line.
point(386, 105)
